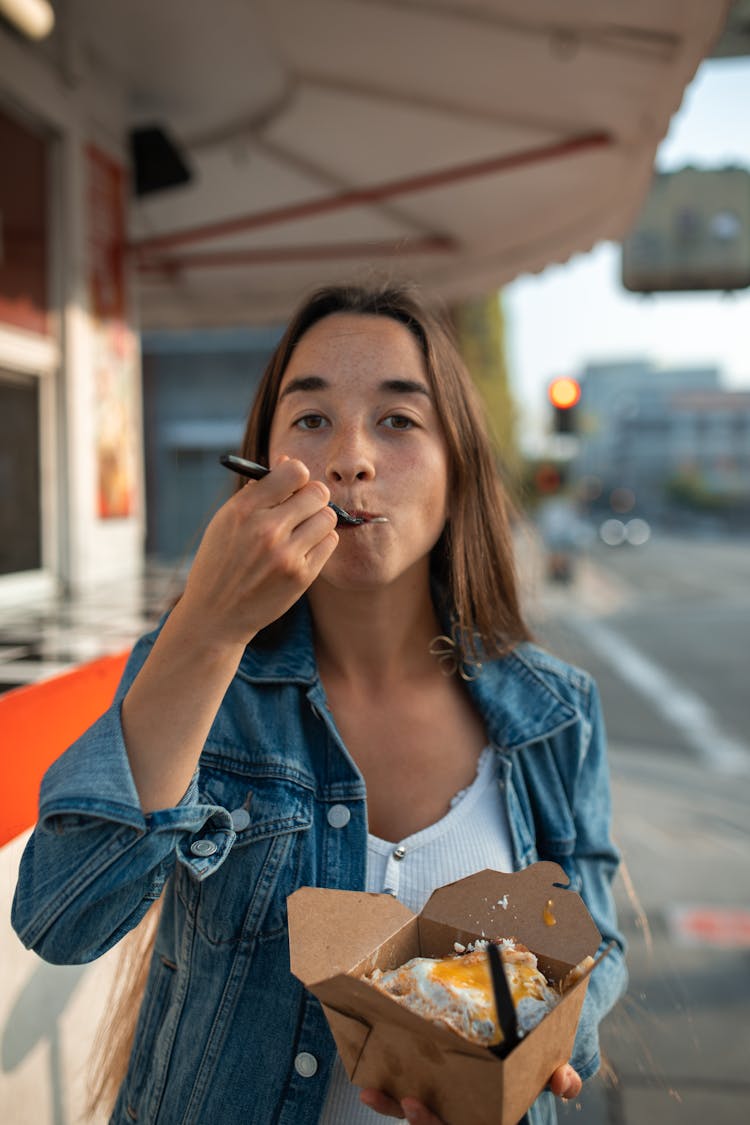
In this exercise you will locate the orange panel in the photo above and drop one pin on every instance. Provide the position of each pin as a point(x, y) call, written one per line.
point(38, 722)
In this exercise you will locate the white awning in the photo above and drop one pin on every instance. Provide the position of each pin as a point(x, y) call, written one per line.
point(456, 143)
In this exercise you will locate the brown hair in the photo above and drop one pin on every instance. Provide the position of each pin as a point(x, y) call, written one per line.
point(113, 1044)
point(472, 562)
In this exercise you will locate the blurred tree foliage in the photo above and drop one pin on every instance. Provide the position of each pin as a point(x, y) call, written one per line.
point(689, 489)
point(480, 332)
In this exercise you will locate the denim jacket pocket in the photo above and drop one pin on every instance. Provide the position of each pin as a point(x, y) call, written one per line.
point(246, 897)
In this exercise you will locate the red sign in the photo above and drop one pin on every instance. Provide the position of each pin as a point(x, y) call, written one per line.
point(114, 345)
point(720, 927)
point(106, 216)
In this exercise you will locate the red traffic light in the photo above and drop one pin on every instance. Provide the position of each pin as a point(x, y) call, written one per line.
point(564, 393)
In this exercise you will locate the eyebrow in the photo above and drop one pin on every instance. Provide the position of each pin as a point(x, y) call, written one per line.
point(318, 383)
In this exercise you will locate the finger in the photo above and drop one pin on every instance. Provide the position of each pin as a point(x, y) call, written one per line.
point(312, 498)
point(565, 1082)
point(284, 459)
point(319, 551)
point(412, 1109)
point(381, 1103)
point(283, 511)
point(296, 527)
point(285, 479)
point(417, 1113)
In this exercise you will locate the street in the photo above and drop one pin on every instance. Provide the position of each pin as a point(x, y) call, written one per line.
point(665, 628)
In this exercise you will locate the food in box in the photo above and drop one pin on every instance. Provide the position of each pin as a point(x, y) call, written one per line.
point(338, 938)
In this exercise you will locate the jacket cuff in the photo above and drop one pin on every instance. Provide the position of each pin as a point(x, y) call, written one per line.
point(92, 782)
point(92, 778)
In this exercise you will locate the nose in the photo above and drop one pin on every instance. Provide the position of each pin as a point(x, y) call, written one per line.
point(350, 458)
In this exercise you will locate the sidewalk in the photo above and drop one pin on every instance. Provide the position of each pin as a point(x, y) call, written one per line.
point(55, 635)
point(677, 1047)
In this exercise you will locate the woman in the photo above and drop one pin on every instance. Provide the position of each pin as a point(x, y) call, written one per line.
point(319, 695)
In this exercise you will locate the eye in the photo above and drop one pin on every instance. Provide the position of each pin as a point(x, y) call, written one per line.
point(398, 422)
point(311, 422)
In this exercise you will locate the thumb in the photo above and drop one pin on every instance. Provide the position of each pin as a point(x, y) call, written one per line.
point(565, 1082)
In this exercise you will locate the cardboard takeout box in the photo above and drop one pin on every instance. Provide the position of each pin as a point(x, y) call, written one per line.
point(337, 936)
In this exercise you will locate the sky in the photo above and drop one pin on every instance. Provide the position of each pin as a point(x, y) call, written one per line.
point(569, 315)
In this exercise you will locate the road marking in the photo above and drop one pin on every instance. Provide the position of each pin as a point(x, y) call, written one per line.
point(680, 706)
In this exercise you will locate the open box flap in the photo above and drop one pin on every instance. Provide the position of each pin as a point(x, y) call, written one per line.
point(530, 905)
point(332, 931)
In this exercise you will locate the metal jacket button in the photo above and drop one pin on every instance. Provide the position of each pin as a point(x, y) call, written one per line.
point(399, 852)
point(338, 816)
point(306, 1064)
point(203, 847)
point(240, 819)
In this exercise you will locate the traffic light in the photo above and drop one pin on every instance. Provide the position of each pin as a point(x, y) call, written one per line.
point(564, 394)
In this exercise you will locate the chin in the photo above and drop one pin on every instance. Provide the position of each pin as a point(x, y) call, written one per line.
point(368, 573)
point(355, 578)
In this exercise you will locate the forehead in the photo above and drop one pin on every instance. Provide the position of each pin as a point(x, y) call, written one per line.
point(357, 345)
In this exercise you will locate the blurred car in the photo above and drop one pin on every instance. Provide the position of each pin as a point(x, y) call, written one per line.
point(617, 533)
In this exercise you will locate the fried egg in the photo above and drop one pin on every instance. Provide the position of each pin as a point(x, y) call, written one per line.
point(457, 991)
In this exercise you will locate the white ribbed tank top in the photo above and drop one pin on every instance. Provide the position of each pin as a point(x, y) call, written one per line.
point(472, 835)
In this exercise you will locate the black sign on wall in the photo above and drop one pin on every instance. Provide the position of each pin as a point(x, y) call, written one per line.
point(692, 234)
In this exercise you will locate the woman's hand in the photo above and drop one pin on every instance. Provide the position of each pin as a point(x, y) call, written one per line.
point(409, 1108)
point(564, 1083)
point(260, 552)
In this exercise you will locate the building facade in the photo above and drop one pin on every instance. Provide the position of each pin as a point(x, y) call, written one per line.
point(71, 477)
point(197, 391)
point(654, 440)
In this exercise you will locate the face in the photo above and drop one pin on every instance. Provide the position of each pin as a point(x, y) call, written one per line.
point(355, 406)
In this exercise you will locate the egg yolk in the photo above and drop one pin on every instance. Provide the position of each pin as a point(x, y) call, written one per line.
point(473, 973)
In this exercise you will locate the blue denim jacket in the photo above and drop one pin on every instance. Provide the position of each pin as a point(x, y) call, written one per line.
point(226, 1033)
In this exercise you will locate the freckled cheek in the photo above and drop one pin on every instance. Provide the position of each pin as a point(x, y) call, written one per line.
point(436, 484)
point(292, 446)
point(274, 445)
point(415, 483)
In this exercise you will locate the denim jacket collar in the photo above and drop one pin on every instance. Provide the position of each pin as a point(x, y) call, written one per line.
point(519, 705)
point(289, 657)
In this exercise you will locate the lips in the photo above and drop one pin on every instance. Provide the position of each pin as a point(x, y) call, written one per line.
point(365, 516)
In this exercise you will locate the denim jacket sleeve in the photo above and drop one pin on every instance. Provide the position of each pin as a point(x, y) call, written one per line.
point(596, 860)
point(95, 862)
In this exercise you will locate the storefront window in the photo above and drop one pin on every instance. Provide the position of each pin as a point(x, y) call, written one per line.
point(24, 292)
point(20, 515)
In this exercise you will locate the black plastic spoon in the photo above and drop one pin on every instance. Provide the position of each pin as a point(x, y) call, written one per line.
point(254, 471)
point(506, 1009)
